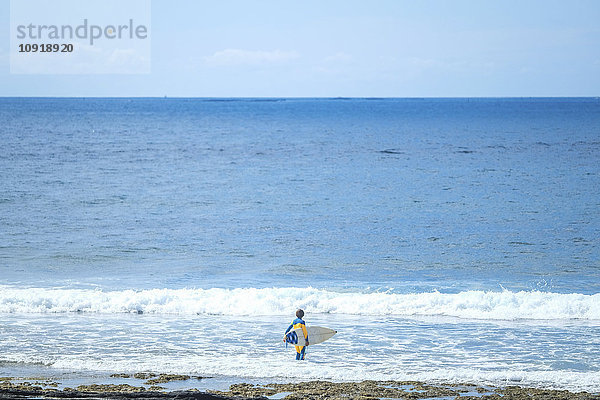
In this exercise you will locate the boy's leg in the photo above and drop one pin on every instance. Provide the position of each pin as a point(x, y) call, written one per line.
point(302, 352)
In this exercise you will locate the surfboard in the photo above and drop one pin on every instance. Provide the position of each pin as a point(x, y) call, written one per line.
point(316, 335)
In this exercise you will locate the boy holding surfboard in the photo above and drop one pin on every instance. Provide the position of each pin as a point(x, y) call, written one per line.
point(298, 323)
point(297, 334)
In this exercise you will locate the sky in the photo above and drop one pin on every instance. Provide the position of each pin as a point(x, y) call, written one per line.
point(330, 48)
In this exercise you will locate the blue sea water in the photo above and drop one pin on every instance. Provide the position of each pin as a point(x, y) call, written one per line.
point(445, 239)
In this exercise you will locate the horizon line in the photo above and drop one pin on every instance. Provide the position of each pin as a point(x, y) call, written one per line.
point(301, 97)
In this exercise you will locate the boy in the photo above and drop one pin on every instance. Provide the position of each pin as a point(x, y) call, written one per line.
point(299, 323)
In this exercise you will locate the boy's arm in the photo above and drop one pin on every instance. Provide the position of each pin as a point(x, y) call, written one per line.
point(305, 333)
point(289, 328)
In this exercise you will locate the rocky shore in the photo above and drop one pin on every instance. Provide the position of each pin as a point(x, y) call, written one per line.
point(40, 389)
point(368, 390)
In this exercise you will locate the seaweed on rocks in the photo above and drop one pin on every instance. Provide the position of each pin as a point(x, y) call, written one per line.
point(144, 375)
point(409, 390)
point(10, 390)
point(110, 388)
point(519, 393)
point(164, 378)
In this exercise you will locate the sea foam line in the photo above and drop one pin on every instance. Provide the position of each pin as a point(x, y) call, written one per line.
point(504, 305)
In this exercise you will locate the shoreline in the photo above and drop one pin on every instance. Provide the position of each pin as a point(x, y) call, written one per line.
point(42, 388)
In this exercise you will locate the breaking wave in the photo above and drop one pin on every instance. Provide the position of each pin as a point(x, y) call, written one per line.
point(504, 305)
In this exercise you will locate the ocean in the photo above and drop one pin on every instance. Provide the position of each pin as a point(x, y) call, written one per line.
point(446, 240)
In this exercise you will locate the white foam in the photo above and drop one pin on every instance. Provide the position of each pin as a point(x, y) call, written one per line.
point(277, 367)
point(504, 305)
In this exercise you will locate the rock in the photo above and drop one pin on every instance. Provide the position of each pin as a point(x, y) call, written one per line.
point(164, 378)
point(144, 375)
point(109, 388)
point(121, 376)
point(520, 393)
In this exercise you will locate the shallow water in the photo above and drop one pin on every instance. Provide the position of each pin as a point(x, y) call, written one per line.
point(554, 354)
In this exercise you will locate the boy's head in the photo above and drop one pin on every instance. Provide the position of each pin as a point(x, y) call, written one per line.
point(299, 313)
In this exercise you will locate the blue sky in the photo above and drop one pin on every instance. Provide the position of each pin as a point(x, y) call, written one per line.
point(379, 48)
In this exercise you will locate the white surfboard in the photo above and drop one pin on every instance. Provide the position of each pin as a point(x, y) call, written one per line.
point(316, 335)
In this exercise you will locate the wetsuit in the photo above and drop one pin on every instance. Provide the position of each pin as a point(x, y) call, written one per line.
point(299, 323)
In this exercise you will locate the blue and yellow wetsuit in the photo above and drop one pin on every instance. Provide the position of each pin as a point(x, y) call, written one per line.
point(299, 323)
